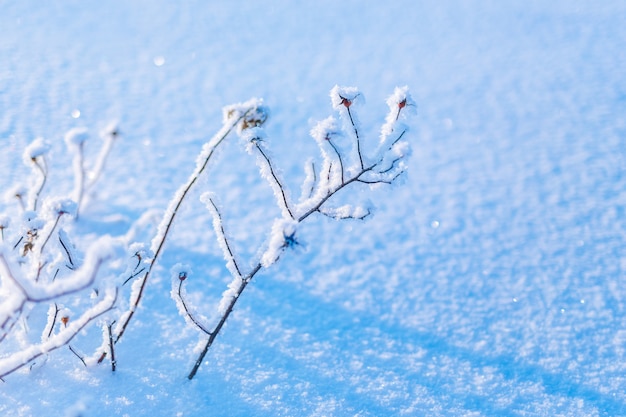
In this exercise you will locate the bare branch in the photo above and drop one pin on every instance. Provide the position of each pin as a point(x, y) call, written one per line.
point(111, 346)
point(77, 355)
point(21, 358)
point(42, 168)
point(182, 276)
point(330, 142)
point(168, 220)
point(218, 225)
point(338, 216)
point(276, 181)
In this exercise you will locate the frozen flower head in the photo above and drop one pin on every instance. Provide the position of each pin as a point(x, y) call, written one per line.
point(59, 206)
point(39, 147)
point(17, 191)
point(250, 114)
point(325, 130)
point(31, 221)
point(345, 97)
point(76, 136)
point(401, 101)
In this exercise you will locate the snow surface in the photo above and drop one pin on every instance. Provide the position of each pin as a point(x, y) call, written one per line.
point(490, 283)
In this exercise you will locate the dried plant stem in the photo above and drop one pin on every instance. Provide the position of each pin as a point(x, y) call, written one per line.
point(80, 176)
point(275, 178)
point(77, 355)
point(191, 317)
point(8, 365)
point(168, 220)
point(101, 159)
point(54, 320)
point(316, 208)
point(229, 309)
point(111, 346)
point(338, 157)
point(41, 167)
point(54, 226)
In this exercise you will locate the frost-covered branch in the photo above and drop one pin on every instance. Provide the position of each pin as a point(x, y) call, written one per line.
point(32, 271)
point(239, 116)
point(23, 357)
point(109, 135)
point(75, 140)
point(317, 191)
point(182, 276)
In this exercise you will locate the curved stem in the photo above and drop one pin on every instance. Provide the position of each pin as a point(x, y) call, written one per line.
point(168, 220)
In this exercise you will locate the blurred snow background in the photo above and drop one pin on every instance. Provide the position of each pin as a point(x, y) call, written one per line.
point(491, 283)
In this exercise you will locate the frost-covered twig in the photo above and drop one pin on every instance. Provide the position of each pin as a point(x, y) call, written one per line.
point(268, 171)
point(23, 357)
point(75, 140)
point(34, 155)
point(109, 135)
point(320, 191)
point(111, 345)
point(182, 276)
point(239, 117)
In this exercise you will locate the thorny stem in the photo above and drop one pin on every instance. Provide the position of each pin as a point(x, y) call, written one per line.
point(170, 220)
point(246, 280)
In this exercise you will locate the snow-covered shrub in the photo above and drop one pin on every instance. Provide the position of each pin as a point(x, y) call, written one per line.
point(42, 273)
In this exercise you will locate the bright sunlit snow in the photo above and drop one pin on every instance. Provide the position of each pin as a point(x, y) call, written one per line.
point(488, 280)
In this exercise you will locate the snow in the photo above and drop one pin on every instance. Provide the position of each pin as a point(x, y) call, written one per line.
point(490, 282)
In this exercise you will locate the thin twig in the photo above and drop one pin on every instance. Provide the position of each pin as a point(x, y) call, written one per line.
point(7, 365)
point(275, 178)
point(111, 346)
point(44, 175)
point(169, 220)
point(65, 246)
point(80, 177)
point(191, 317)
point(54, 226)
point(336, 217)
point(222, 234)
point(77, 355)
point(339, 157)
point(54, 320)
point(312, 190)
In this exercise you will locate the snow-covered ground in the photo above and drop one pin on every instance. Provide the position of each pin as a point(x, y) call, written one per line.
point(490, 282)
